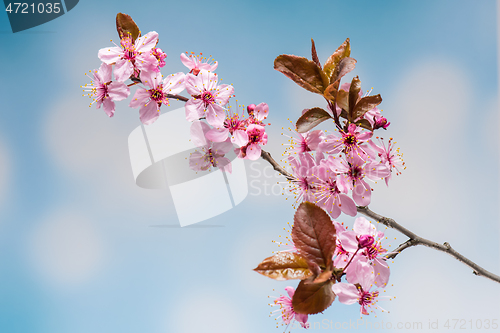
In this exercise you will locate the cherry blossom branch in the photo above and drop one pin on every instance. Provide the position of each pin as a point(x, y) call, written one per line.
point(267, 157)
point(417, 240)
point(413, 240)
point(178, 97)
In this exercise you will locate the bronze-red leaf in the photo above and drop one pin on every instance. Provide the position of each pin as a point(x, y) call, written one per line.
point(126, 26)
point(313, 298)
point(313, 234)
point(311, 118)
point(302, 71)
point(284, 266)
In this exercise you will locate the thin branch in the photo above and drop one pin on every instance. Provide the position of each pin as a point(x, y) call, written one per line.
point(179, 97)
point(266, 156)
point(413, 240)
point(417, 240)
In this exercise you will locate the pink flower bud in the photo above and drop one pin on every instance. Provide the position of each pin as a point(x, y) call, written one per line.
point(250, 109)
point(381, 123)
point(365, 241)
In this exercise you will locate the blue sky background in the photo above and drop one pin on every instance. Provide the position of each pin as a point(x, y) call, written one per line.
point(79, 250)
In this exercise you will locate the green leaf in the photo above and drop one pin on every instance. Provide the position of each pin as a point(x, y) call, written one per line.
point(314, 55)
point(313, 298)
point(311, 118)
point(366, 104)
point(302, 71)
point(313, 234)
point(343, 67)
point(284, 266)
point(342, 52)
point(126, 26)
point(354, 90)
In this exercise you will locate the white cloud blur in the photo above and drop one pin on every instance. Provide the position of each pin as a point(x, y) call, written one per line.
point(66, 249)
point(206, 310)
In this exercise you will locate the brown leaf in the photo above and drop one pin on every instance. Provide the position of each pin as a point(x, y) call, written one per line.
point(343, 99)
point(126, 26)
point(365, 124)
point(313, 298)
point(342, 52)
point(366, 104)
point(331, 91)
point(302, 71)
point(353, 97)
point(311, 118)
point(313, 234)
point(314, 54)
point(284, 266)
point(343, 67)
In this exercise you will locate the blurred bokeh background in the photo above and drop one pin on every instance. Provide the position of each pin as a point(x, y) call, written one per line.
point(83, 249)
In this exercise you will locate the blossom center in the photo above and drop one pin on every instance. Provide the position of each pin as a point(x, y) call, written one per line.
point(350, 140)
point(157, 94)
point(207, 98)
point(129, 49)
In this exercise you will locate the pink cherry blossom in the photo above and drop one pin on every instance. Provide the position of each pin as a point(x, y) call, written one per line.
point(393, 160)
point(365, 243)
point(308, 141)
point(210, 154)
point(286, 309)
point(361, 293)
point(207, 99)
point(160, 58)
point(256, 136)
point(150, 100)
point(234, 126)
point(196, 63)
point(330, 195)
point(104, 91)
point(349, 142)
point(131, 56)
point(303, 168)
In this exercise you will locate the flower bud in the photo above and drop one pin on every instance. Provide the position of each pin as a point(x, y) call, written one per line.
point(381, 123)
point(250, 109)
point(365, 241)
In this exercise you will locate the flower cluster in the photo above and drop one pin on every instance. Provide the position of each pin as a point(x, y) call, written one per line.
point(139, 60)
point(330, 174)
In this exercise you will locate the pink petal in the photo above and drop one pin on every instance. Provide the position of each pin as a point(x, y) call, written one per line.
point(361, 193)
point(224, 92)
point(145, 43)
point(381, 271)
point(218, 135)
point(222, 147)
point(194, 109)
point(188, 62)
point(123, 70)
point(261, 111)
point(347, 205)
point(348, 241)
point(347, 293)
point(108, 106)
point(198, 132)
point(215, 115)
point(110, 55)
point(118, 91)
point(140, 98)
point(149, 113)
point(240, 137)
point(174, 83)
point(194, 85)
point(364, 227)
point(253, 152)
point(104, 72)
